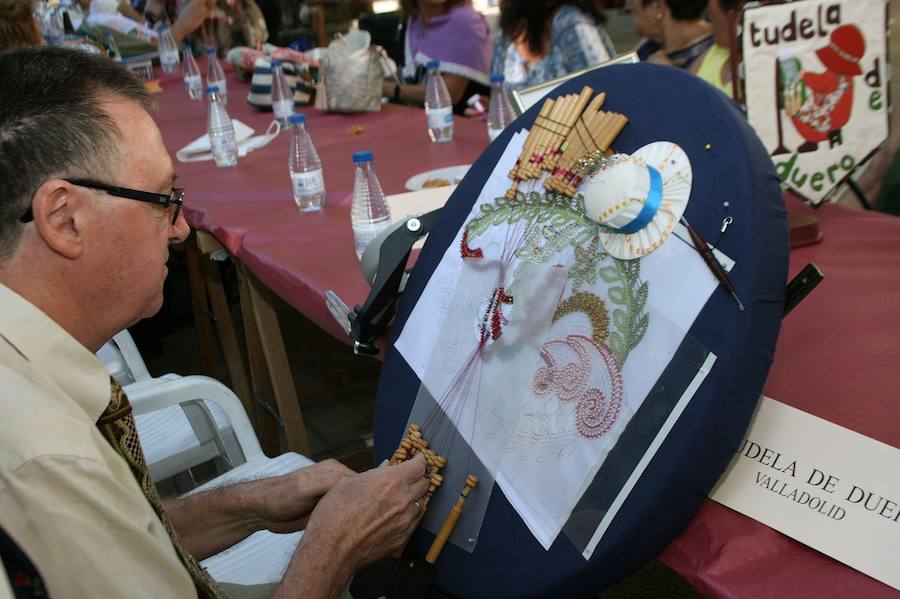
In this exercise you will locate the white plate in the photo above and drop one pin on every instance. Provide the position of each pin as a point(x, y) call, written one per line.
point(451, 174)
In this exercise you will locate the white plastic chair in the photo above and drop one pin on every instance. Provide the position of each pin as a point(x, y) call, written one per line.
point(263, 556)
point(121, 357)
point(178, 437)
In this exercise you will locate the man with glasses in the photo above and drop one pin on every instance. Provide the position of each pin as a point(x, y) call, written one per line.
point(88, 208)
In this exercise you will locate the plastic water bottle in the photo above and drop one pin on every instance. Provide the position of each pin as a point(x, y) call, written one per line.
point(215, 76)
point(168, 50)
point(54, 28)
point(369, 212)
point(500, 112)
point(193, 80)
point(221, 130)
point(112, 47)
point(438, 107)
point(282, 96)
point(306, 168)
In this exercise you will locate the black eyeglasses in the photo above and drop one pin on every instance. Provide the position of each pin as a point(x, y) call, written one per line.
point(176, 198)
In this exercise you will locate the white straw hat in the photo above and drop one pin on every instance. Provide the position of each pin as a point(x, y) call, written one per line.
point(638, 199)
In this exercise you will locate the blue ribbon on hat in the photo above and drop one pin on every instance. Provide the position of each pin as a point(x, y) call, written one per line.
point(651, 205)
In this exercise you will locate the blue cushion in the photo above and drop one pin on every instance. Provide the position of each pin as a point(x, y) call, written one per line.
point(662, 103)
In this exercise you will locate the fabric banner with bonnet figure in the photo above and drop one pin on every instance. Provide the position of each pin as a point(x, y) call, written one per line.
point(546, 337)
point(816, 76)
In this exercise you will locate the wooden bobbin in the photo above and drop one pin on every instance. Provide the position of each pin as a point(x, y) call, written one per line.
point(610, 127)
point(547, 133)
point(544, 128)
point(570, 120)
point(594, 132)
point(447, 528)
point(436, 481)
point(399, 456)
point(567, 119)
point(530, 139)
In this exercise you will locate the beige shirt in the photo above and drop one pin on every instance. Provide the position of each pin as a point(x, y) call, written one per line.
point(66, 497)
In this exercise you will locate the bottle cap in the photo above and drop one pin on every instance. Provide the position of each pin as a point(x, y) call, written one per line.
point(210, 50)
point(497, 78)
point(297, 118)
point(212, 89)
point(433, 64)
point(363, 156)
point(184, 46)
point(276, 63)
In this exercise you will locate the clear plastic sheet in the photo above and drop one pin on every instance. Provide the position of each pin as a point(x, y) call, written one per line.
point(467, 402)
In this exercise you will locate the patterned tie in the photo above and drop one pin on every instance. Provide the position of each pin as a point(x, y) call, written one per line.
point(116, 424)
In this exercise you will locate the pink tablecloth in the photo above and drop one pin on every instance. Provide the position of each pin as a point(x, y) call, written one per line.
point(250, 208)
point(837, 357)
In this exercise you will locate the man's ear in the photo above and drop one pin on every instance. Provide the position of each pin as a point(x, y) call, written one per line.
point(57, 209)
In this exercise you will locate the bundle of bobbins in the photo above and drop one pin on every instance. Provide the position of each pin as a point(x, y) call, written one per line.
point(588, 142)
point(566, 132)
point(411, 445)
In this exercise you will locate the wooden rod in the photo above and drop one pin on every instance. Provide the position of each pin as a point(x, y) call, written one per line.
point(530, 139)
point(444, 534)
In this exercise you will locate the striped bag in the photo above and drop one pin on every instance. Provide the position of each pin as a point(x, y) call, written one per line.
point(260, 95)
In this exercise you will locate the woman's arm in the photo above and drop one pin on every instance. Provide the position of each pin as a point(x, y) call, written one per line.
point(415, 93)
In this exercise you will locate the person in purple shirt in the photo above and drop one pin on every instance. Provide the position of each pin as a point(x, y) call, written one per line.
point(449, 31)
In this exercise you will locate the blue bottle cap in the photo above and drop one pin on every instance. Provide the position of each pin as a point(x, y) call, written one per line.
point(433, 64)
point(184, 46)
point(276, 63)
point(497, 78)
point(210, 50)
point(297, 118)
point(363, 156)
point(212, 89)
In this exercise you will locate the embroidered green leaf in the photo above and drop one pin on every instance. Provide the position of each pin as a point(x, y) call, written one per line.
point(618, 295)
point(610, 274)
point(587, 262)
point(628, 292)
point(562, 213)
point(553, 222)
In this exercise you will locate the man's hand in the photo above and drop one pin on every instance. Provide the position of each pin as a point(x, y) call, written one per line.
point(291, 498)
point(362, 519)
point(210, 522)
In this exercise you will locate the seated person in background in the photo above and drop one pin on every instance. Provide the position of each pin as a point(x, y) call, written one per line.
point(18, 27)
point(648, 25)
point(685, 35)
point(186, 17)
point(541, 41)
point(79, 262)
point(453, 33)
point(715, 66)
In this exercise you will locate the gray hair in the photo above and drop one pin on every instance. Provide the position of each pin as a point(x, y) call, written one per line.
point(52, 124)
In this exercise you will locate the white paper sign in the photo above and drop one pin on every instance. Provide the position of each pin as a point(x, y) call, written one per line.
point(821, 484)
point(816, 87)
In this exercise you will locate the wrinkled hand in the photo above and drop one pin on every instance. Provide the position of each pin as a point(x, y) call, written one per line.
point(371, 514)
point(291, 498)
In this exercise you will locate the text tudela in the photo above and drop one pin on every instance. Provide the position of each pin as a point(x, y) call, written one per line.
point(794, 29)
